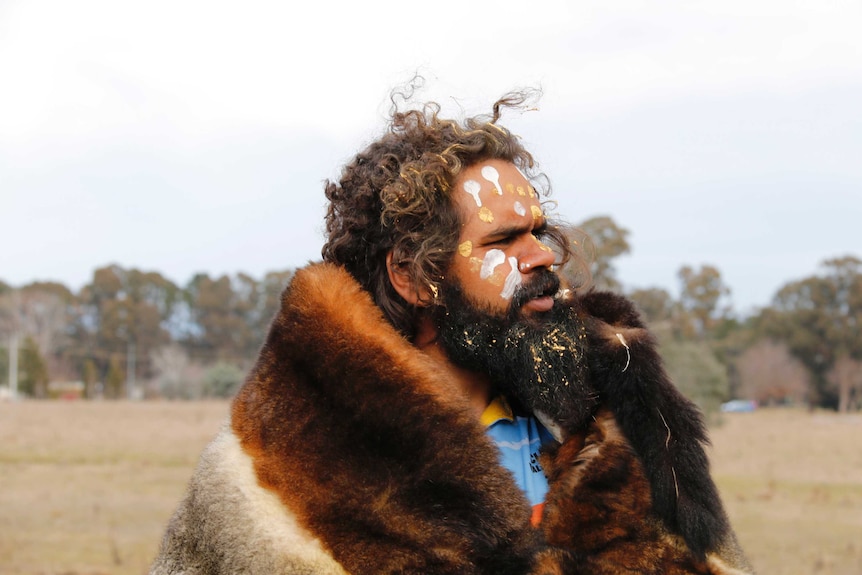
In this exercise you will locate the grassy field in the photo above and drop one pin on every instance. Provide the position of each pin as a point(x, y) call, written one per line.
point(86, 488)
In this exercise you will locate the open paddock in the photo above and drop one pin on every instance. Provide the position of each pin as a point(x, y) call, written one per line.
point(87, 487)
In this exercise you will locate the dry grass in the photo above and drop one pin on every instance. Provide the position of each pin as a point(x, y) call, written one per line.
point(87, 488)
point(792, 483)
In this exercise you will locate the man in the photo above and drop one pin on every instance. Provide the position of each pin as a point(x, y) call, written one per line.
point(388, 426)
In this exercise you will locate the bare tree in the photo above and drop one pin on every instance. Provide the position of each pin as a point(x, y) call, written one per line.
point(176, 376)
point(769, 373)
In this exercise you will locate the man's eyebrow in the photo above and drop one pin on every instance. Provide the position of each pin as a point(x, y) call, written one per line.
point(509, 230)
point(514, 230)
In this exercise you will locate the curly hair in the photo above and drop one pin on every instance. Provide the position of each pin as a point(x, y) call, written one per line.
point(395, 196)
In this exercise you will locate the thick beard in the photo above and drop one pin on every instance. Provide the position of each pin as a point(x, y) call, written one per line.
point(536, 360)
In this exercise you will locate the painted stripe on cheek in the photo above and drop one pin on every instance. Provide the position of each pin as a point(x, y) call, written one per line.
point(513, 280)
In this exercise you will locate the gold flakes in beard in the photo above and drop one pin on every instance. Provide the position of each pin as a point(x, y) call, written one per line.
point(537, 211)
point(475, 264)
point(486, 215)
point(465, 248)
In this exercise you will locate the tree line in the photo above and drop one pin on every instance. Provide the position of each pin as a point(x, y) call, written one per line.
point(132, 332)
point(804, 348)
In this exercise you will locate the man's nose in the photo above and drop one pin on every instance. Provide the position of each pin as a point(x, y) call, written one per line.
point(535, 255)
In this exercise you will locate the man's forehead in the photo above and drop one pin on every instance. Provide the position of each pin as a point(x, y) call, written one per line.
point(494, 174)
point(495, 188)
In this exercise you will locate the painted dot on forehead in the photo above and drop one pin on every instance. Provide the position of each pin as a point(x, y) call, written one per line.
point(486, 215)
point(473, 188)
point(491, 174)
point(537, 212)
point(521, 191)
point(520, 209)
point(510, 187)
point(465, 248)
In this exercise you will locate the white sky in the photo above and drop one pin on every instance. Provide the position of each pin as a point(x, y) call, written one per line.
point(195, 136)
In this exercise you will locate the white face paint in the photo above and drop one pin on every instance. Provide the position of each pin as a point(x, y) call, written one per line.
point(491, 174)
point(473, 188)
point(513, 280)
point(520, 209)
point(492, 259)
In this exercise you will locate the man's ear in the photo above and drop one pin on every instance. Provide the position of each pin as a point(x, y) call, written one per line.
point(403, 284)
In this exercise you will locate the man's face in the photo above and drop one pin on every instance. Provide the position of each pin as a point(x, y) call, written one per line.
point(499, 248)
point(498, 314)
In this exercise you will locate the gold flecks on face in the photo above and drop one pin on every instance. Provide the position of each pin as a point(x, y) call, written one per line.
point(542, 246)
point(465, 248)
point(521, 191)
point(532, 191)
point(497, 278)
point(475, 264)
point(537, 212)
point(486, 215)
point(510, 187)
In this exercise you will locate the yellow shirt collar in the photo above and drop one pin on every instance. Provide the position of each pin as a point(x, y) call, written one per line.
point(498, 409)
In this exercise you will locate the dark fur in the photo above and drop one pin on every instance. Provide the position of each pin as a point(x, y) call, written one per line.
point(664, 427)
point(632, 503)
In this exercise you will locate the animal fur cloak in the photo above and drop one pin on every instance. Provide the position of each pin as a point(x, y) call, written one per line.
point(347, 451)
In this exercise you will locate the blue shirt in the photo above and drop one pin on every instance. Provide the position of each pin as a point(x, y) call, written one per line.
point(519, 438)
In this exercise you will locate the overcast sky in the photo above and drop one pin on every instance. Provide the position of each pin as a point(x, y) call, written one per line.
point(188, 137)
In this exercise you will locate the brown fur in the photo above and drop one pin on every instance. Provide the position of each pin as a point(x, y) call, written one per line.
point(374, 450)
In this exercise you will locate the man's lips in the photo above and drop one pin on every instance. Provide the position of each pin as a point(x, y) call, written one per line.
point(538, 294)
point(541, 303)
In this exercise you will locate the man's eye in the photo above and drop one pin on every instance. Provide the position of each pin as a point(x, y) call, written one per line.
point(503, 241)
